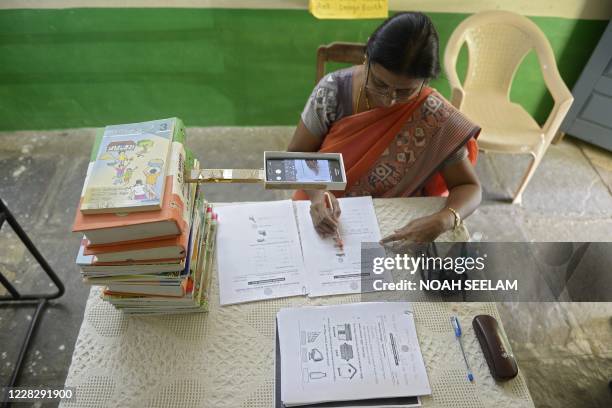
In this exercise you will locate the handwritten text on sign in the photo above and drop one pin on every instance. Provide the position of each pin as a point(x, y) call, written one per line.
point(349, 9)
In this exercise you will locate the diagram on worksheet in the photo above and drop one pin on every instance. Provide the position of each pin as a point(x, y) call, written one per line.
point(335, 269)
point(259, 254)
point(361, 350)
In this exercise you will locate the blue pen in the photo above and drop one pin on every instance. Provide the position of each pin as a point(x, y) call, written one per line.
point(457, 327)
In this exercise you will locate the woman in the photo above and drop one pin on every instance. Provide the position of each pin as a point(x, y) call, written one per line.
point(398, 137)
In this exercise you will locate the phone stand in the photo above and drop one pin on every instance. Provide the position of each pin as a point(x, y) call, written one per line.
point(259, 175)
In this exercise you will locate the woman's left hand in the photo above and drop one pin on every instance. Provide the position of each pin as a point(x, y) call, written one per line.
point(425, 229)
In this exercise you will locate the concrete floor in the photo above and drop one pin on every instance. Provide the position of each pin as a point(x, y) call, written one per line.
point(564, 349)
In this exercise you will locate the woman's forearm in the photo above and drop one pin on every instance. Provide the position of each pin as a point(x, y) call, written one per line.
point(464, 192)
point(464, 199)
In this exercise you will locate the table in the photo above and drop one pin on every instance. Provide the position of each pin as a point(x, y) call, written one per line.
point(225, 358)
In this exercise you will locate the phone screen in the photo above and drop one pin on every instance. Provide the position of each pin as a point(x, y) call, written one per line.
point(303, 170)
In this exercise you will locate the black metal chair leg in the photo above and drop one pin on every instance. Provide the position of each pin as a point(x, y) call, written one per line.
point(36, 254)
point(15, 298)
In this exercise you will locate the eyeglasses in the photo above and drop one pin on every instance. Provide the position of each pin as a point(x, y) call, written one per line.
point(399, 95)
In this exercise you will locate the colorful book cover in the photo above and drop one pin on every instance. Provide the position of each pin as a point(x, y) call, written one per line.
point(176, 201)
point(180, 242)
point(130, 167)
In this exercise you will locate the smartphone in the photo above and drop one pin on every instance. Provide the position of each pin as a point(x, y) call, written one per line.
point(303, 170)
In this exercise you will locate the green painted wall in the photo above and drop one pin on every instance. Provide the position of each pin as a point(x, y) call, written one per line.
point(91, 67)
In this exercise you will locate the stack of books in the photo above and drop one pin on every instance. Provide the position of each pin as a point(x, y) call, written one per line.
point(148, 237)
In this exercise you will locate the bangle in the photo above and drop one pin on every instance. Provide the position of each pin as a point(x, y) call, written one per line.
point(457, 217)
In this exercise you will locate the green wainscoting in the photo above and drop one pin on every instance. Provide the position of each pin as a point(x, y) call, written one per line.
point(90, 67)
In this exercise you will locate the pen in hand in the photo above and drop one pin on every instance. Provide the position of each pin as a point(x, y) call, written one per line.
point(329, 204)
point(457, 328)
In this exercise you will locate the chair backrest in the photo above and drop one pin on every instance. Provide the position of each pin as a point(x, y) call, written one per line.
point(351, 53)
point(497, 42)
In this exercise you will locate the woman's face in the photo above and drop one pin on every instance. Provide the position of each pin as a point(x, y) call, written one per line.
point(385, 88)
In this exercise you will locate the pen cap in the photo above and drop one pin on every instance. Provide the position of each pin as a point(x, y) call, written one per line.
point(456, 326)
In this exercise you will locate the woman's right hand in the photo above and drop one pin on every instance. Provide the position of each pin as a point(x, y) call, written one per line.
point(324, 218)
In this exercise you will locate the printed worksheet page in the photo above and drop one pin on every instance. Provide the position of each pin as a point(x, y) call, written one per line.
point(258, 252)
point(331, 269)
point(350, 352)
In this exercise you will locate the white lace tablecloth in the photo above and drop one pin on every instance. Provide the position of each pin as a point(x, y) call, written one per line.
point(225, 358)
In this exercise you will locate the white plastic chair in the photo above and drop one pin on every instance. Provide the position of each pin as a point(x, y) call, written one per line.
point(497, 42)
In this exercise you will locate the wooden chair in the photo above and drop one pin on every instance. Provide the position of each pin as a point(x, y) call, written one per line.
point(346, 52)
point(497, 42)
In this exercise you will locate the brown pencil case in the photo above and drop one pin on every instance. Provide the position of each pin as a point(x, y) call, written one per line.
point(495, 348)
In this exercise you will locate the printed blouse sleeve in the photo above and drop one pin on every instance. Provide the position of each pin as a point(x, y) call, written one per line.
point(459, 155)
point(321, 107)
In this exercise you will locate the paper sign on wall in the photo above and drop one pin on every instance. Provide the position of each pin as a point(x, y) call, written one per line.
point(349, 9)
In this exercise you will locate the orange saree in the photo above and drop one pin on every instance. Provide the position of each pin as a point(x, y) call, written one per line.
point(398, 151)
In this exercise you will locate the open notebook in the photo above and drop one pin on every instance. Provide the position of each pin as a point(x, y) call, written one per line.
point(270, 249)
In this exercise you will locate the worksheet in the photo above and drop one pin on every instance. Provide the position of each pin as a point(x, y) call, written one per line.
point(350, 352)
point(331, 269)
point(258, 252)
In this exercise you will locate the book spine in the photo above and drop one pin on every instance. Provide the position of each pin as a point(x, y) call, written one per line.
point(96, 146)
point(208, 272)
point(198, 249)
point(208, 255)
point(92, 158)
